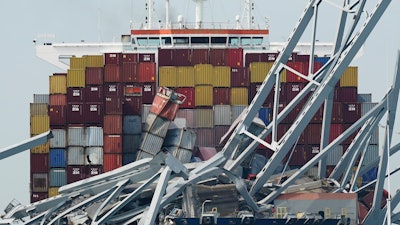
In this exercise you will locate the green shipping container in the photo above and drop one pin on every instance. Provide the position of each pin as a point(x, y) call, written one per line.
point(203, 74)
point(349, 77)
point(239, 96)
point(185, 76)
point(58, 84)
point(204, 95)
point(76, 78)
point(167, 76)
point(222, 76)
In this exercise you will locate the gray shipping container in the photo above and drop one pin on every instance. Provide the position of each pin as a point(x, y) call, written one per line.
point(180, 138)
point(204, 118)
point(143, 155)
point(333, 157)
point(131, 143)
point(365, 108)
point(57, 177)
point(156, 125)
point(60, 138)
point(145, 112)
point(94, 156)
point(236, 111)
point(222, 115)
point(151, 143)
point(182, 154)
point(94, 136)
point(76, 155)
point(41, 98)
point(76, 136)
point(132, 125)
point(371, 154)
point(364, 98)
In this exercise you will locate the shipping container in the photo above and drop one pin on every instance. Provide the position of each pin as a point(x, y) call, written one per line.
point(166, 103)
point(200, 56)
point(113, 89)
point(146, 72)
point(41, 149)
point(112, 73)
point(236, 111)
point(182, 57)
point(345, 94)
point(38, 109)
point(57, 158)
point(203, 74)
point(234, 57)
point(40, 182)
point(179, 137)
point(75, 155)
point(132, 90)
point(76, 78)
point(113, 105)
point(94, 75)
point(337, 112)
point(292, 90)
point(265, 114)
point(41, 98)
point(93, 170)
point(94, 94)
point(349, 77)
point(334, 155)
point(38, 196)
point(112, 58)
point(94, 136)
point(93, 156)
point(145, 112)
point(204, 118)
point(129, 72)
point(259, 71)
point(217, 57)
point(132, 105)
point(165, 57)
point(148, 93)
point(252, 57)
point(203, 95)
point(53, 191)
point(143, 155)
point(128, 158)
point(39, 163)
point(58, 99)
point(94, 60)
point(146, 57)
point(112, 143)
point(351, 112)
point(75, 95)
point(112, 124)
point(39, 124)
point(364, 98)
point(220, 131)
point(187, 114)
point(131, 143)
point(151, 143)
point(57, 177)
point(240, 77)
point(335, 131)
point(221, 96)
point(299, 67)
point(77, 63)
point(132, 125)
point(59, 139)
point(205, 137)
point(58, 84)
point(93, 114)
point(130, 57)
point(239, 96)
point(75, 114)
point(182, 154)
point(222, 115)
point(311, 134)
point(58, 115)
point(75, 173)
point(167, 76)
point(76, 136)
point(189, 92)
point(156, 125)
point(222, 76)
point(205, 153)
point(185, 76)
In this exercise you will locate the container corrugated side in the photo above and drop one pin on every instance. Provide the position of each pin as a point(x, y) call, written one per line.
point(41, 98)
point(40, 124)
point(112, 124)
point(204, 118)
point(371, 154)
point(40, 149)
point(182, 154)
point(203, 74)
point(57, 177)
point(38, 109)
point(131, 143)
point(189, 92)
point(239, 96)
point(38, 196)
point(237, 110)
point(259, 70)
point(53, 191)
point(205, 137)
point(179, 137)
point(222, 115)
point(39, 182)
point(221, 96)
point(145, 112)
point(58, 158)
point(59, 139)
point(76, 78)
point(94, 75)
point(333, 157)
point(94, 156)
point(187, 114)
point(222, 76)
point(58, 99)
point(147, 72)
point(167, 76)
point(39, 163)
point(363, 98)
point(112, 143)
point(75, 155)
point(156, 125)
point(132, 124)
point(112, 161)
point(57, 84)
point(204, 95)
point(220, 131)
point(151, 143)
point(75, 173)
point(94, 60)
point(185, 76)
point(349, 77)
point(77, 63)
point(94, 136)
point(76, 136)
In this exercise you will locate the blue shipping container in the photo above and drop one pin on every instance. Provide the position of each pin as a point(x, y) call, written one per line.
point(132, 125)
point(128, 158)
point(58, 158)
point(264, 114)
point(58, 177)
point(322, 60)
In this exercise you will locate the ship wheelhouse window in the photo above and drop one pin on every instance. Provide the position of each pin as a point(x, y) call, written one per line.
point(181, 40)
point(234, 41)
point(257, 40)
point(199, 40)
point(246, 41)
point(154, 41)
point(142, 41)
point(166, 41)
point(218, 40)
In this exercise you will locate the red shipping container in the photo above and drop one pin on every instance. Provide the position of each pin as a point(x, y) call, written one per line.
point(112, 89)
point(269, 57)
point(132, 90)
point(337, 112)
point(345, 94)
point(165, 57)
point(234, 57)
point(94, 75)
point(112, 124)
point(93, 113)
point(94, 94)
point(217, 57)
point(58, 115)
point(39, 163)
point(299, 156)
point(182, 57)
point(189, 92)
point(132, 105)
point(240, 77)
point(351, 112)
point(270, 98)
point(112, 73)
point(93, 170)
point(75, 95)
point(299, 67)
point(312, 134)
point(113, 105)
point(221, 96)
point(147, 57)
point(292, 90)
point(252, 57)
point(38, 196)
point(163, 106)
point(111, 162)
point(148, 93)
point(113, 144)
point(335, 131)
point(302, 58)
point(147, 72)
point(351, 137)
point(200, 56)
point(129, 72)
point(112, 58)
point(75, 173)
point(58, 99)
point(318, 116)
point(75, 114)
point(129, 57)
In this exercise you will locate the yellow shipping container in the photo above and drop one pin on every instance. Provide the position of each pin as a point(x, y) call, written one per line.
point(259, 70)
point(349, 77)
point(58, 84)
point(41, 149)
point(77, 63)
point(239, 96)
point(94, 60)
point(222, 76)
point(40, 124)
point(39, 109)
point(167, 76)
point(76, 78)
point(53, 191)
point(185, 76)
point(203, 74)
point(203, 95)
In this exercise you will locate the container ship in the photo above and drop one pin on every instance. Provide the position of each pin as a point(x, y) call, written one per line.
point(102, 113)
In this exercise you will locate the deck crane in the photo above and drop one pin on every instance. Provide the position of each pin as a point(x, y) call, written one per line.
point(112, 198)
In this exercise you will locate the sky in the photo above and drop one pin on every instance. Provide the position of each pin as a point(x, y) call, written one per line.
point(22, 74)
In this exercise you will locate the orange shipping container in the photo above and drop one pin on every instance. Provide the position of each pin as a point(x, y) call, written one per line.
point(147, 72)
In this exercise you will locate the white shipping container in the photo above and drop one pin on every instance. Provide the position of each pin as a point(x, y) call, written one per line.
point(59, 139)
point(94, 136)
point(94, 156)
point(334, 155)
point(151, 143)
point(222, 115)
point(41, 98)
point(236, 111)
point(75, 156)
point(145, 112)
point(76, 136)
